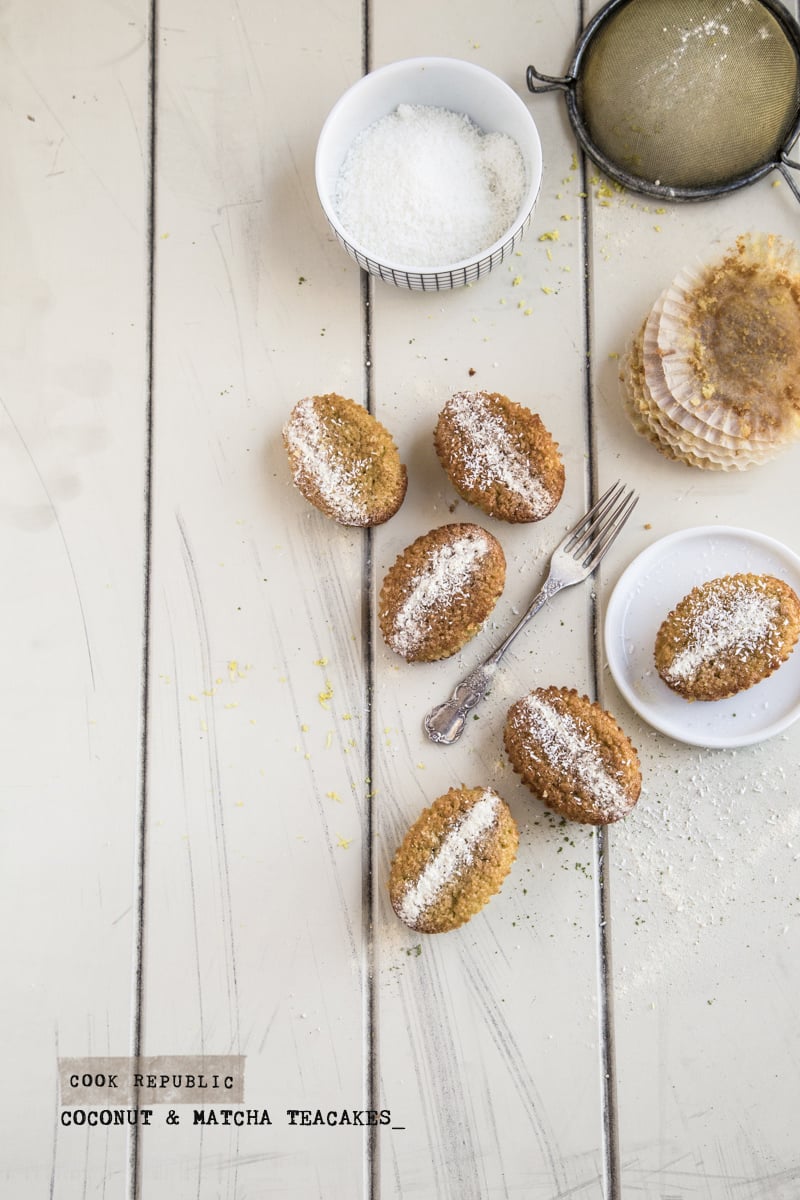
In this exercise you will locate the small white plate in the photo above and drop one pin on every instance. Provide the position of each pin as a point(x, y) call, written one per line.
point(649, 589)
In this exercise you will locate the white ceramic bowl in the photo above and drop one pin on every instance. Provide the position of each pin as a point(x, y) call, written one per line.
point(449, 83)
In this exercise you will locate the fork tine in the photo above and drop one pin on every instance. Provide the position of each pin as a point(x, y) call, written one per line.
point(588, 522)
point(608, 531)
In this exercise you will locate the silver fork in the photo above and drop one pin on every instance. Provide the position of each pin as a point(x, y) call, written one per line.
point(573, 560)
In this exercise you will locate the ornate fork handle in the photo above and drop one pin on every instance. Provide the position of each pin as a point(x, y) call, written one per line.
point(574, 559)
point(446, 722)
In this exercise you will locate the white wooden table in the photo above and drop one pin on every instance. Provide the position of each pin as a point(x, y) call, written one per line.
point(208, 754)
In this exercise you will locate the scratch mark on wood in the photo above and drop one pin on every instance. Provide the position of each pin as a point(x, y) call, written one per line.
point(512, 1055)
point(62, 535)
point(216, 784)
point(57, 120)
point(54, 1150)
point(317, 793)
point(444, 1101)
point(189, 853)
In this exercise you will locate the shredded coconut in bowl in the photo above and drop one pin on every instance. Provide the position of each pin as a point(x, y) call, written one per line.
point(425, 187)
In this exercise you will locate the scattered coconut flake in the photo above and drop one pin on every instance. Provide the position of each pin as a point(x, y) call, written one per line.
point(737, 622)
point(491, 455)
point(446, 575)
point(335, 477)
point(454, 854)
point(569, 750)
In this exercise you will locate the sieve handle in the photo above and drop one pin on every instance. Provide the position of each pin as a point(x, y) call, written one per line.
point(783, 166)
point(548, 83)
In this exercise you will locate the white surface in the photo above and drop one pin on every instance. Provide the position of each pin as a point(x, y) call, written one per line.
point(200, 867)
point(649, 589)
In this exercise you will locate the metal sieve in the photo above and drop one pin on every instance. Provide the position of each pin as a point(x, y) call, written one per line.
point(684, 99)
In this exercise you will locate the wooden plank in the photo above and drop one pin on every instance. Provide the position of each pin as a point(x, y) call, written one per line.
point(254, 935)
point(72, 442)
point(484, 1032)
point(703, 931)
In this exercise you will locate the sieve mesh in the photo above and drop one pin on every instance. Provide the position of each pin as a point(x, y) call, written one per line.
point(688, 94)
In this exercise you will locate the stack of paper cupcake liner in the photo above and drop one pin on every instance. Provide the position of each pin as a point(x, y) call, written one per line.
point(712, 378)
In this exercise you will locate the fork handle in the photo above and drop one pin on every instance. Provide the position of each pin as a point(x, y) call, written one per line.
point(445, 723)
